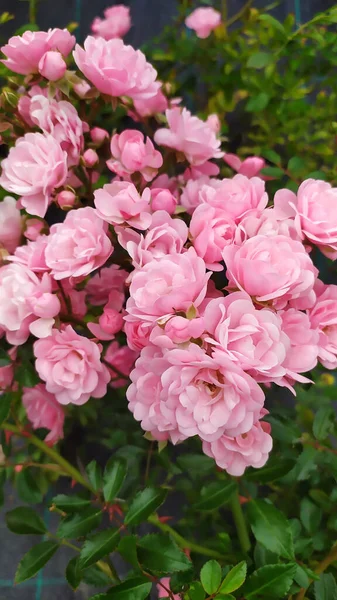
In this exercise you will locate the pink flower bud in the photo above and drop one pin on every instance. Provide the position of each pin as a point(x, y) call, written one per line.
point(90, 158)
point(52, 66)
point(66, 199)
point(98, 135)
point(81, 88)
point(111, 321)
point(33, 229)
point(46, 306)
point(163, 200)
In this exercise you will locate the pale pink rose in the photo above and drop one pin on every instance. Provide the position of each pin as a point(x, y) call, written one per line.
point(269, 222)
point(207, 169)
point(238, 196)
point(10, 224)
point(198, 191)
point(116, 24)
point(101, 284)
point(250, 166)
point(190, 135)
point(61, 120)
point(33, 229)
point(203, 21)
point(7, 372)
point(252, 338)
point(24, 103)
point(71, 366)
point(79, 245)
point(43, 411)
point(210, 231)
point(323, 317)
point(168, 183)
point(164, 236)
point(52, 66)
point(150, 106)
point(24, 52)
point(315, 212)
point(119, 202)
point(235, 454)
point(183, 392)
point(32, 255)
point(26, 303)
point(162, 593)
point(301, 357)
point(121, 358)
point(213, 122)
point(276, 270)
point(130, 154)
point(116, 69)
point(163, 199)
point(167, 285)
point(81, 88)
point(35, 166)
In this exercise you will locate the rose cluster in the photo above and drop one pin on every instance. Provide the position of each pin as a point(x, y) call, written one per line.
point(200, 288)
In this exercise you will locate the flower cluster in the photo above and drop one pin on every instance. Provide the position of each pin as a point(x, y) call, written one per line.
point(200, 288)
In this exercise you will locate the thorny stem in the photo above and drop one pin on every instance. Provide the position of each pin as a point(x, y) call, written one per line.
point(240, 523)
point(326, 562)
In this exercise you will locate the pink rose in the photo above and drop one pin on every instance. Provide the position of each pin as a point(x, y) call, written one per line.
point(269, 222)
point(75, 299)
point(26, 303)
point(119, 202)
point(211, 230)
point(10, 224)
point(190, 135)
point(66, 199)
point(213, 122)
point(32, 255)
point(35, 166)
point(150, 106)
point(250, 166)
point(7, 372)
point(25, 52)
point(90, 158)
point(79, 245)
point(70, 364)
point(301, 357)
point(116, 24)
point(198, 191)
point(315, 213)
point(274, 269)
point(167, 285)
point(203, 21)
point(122, 359)
point(101, 284)
point(176, 330)
point(33, 229)
point(130, 154)
point(52, 66)
point(238, 196)
point(99, 135)
point(163, 199)
point(43, 411)
point(323, 317)
point(137, 334)
point(116, 69)
point(235, 454)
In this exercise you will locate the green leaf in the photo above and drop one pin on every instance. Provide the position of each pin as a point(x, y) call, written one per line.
point(95, 475)
point(215, 494)
point(210, 576)
point(196, 465)
point(159, 554)
point(234, 579)
point(272, 172)
point(94, 576)
point(4, 358)
point(99, 545)
point(127, 548)
point(79, 524)
point(271, 155)
point(258, 60)
point(296, 164)
point(26, 375)
point(24, 520)
point(5, 404)
point(181, 580)
point(196, 591)
point(114, 475)
point(26, 27)
point(257, 103)
point(271, 528)
point(70, 504)
point(27, 487)
point(311, 515)
point(73, 573)
point(317, 175)
point(323, 422)
point(34, 560)
point(144, 504)
point(326, 588)
point(271, 580)
point(135, 588)
point(267, 18)
point(274, 469)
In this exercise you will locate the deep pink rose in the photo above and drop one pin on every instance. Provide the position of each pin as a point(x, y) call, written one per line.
point(123, 359)
point(273, 269)
point(35, 166)
point(203, 21)
point(116, 24)
point(79, 245)
point(190, 135)
point(250, 166)
point(119, 202)
point(323, 317)
point(101, 284)
point(70, 364)
point(10, 224)
point(130, 154)
point(211, 230)
point(44, 411)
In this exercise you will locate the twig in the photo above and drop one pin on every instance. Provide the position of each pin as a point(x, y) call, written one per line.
point(239, 14)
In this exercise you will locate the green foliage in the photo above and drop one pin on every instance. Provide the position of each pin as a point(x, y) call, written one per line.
point(210, 576)
point(144, 504)
point(34, 560)
point(24, 520)
point(114, 475)
point(97, 546)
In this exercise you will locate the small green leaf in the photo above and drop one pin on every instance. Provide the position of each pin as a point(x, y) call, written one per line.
point(24, 520)
point(79, 524)
point(70, 504)
point(271, 528)
point(195, 465)
point(181, 580)
point(73, 573)
point(259, 60)
point(127, 548)
point(135, 588)
point(215, 494)
point(196, 591)
point(234, 579)
point(323, 422)
point(296, 164)
point(270, 581)
point(27, 487)
point(210, 576)
point(114, 475)
point(317, 175)
point(99, 545)
point(94, 576)
point(95, 475)
point(5, 404)
point(271, 155)
point(26, 375)
point(267, 18)
point(34, 560)
point(160, 555)
point(144, 504)
point(273, 470)
point(325, 588)
point(257, 103)
point(26, 27)
point(311, 515)
point(272, 172)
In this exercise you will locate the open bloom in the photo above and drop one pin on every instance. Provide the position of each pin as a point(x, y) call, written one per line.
point(71, 366)
point(190, 135)
point(302, 354)
point(35, 166)
point(44, 411)
point(203, 20)
point(323, 317)
point(119, 202)
point(130, 154)
point(238, 196)
point(10, 224)
point(116, 24)
point(211, 229)
point(250, 166)
point(108, 279)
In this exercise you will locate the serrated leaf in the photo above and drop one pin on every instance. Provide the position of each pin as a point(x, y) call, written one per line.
point(34, 560)
point(135, 588)
point(79, 524)
point(234, 579)
point(210, 576)
point(215, 494)
point(259, 60)
point(326, 588)
point(127, 548)
point(24, 520)
point(271, 580)
point(5, 404)
point(257, 103)
point(144, 504)
point(73, 573)
point(94, 576)
point(180, 581)
point(273, 470)
point(311, 515)
point(27, 487)
point(271, 528)
point(159, 554)
point(323, 422)
point(95, 475)
point(114, 475)
point(70, 504)
point(196, 591)
point(99, 545)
